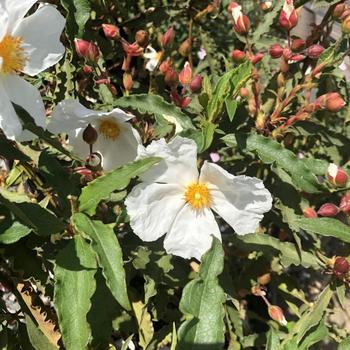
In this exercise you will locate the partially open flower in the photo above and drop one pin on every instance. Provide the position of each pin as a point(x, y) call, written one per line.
point(288, 17)
point(153, 57)
point(185, 75)
point(337, 176)
point(241, 21)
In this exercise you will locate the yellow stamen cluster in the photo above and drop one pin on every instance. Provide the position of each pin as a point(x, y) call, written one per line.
point(109, 129)
point(197, 195)
point(12, 55)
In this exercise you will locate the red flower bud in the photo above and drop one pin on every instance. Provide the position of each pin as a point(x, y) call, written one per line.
point(328, 210)
point(276, 51)
point(168, 37)
point(345, 204)
point(87, 50)
point(298, 44)
point(196, 83)
point(276, 313)
point(142, 38)
point(341, 267)
point(185, 102)
point(288, 17)
point(338, 11)
point(296, 58)
point(315, 51)
point(257, 58)
point(111, 31)
point(185, 75)
point(242, 25)
point(310, 213)
point(337, 176)
point(332, 101)
point(166, 65)
point(171, 78)
point(87, 69)
point(238, 55)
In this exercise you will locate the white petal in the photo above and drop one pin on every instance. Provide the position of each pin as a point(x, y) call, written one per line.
point(120, 151)
point(190, 233)
point(151, 65)
point(9, 122)
point(27, 96)
point(150, 52)
point(178, 164)
point(4, 21)
point(152, 209)
point(240, 200)
point(17, 9)
point(41, 39)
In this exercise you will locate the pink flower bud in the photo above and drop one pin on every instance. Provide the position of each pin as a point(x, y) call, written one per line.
point(257, 58)
point(337, 176)
point(166, 65)
point(171, 78)
point(276, 313)
point(185, 75)
point(102, 81)
point(345, 204)
point(185, 102)
point(332, 101)
point(238, 55)
point(196, 83)
point(296, 58)
point(276, 51)
point(288, 17)
point(242, 25)
point(87, 50)
point(111, 31)
point(328, 210)
point(298, 44)
point(338, 11)
point(215, 157)
point(310, 213)
point(168, 37)
point(341, 267)
point(87, 69)
point(315, 51)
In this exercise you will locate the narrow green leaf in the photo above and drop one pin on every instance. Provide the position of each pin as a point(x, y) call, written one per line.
point(9, 151)
point(273, 341)
point(326, 227)
point(231, 107)
point(74, 286)
point(202, 303)
point(109, 253)
point(14, 233)
point(153, 104)
point(318, 333)
point(116, 180)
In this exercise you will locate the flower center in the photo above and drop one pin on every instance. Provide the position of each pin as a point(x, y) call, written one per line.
point(12, 55)
point(197, 195)
point(109, 129)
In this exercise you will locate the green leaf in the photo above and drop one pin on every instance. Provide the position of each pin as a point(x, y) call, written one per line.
point(227, 85)
point(231, 107)
point(345, 344)
point(14, 233)
point(270, 151)
point(74, 286)
point(153, 104)
point(288, 251)
point(9, 151)
point(144, 320)
point(273, 341)
point(326, 227)
point(202, 304)
point(110, 256)
point(78, 15)
point(317, 334)
point(34, 216)
point(115, 180)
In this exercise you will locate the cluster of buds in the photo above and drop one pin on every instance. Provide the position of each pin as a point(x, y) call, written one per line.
point(240, 56)
point(341, 13)
point(241, 23)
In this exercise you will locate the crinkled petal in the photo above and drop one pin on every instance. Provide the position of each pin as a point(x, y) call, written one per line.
point(9, 121)
point(17, 9)
point(41, 39)
point(240, 200)
point(120, 151)
point(152, 208)
point(151, 65)
point(191, 233)
point(4, 20)
point(178, 164)
point(27, 96)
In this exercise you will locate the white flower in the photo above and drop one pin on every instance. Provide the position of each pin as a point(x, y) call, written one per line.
point(176, 200)
point(117, 140)
point(153, 58)
point(27, 45)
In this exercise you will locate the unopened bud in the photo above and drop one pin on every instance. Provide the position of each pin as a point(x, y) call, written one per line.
point(185, 75)
point(288, 17)
point(276, 51)
point(338, 11)
point(87, 69)
point(345, 25)
point(266, 5)
point(345, 203)
point(264, 279)
point(111, 31)
point(142, 38)
point(328, 210)
point(185, 102)
point(337, 176)
point(166, 65)
point(242, 25)
point(244, 92)
point(87, 50)
point(315, 51)
point(168, 37)
point(260, 121)
point(257, 58)
point(297, 45)
point(127, 81)
point(310, 213)
point(238, 55)
point(341, 267)
point(90, 135)
point(296, 58)
point(185, 47)
point(171, 78)
point(276, 313)
point(332, 101)
point(196, 83)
